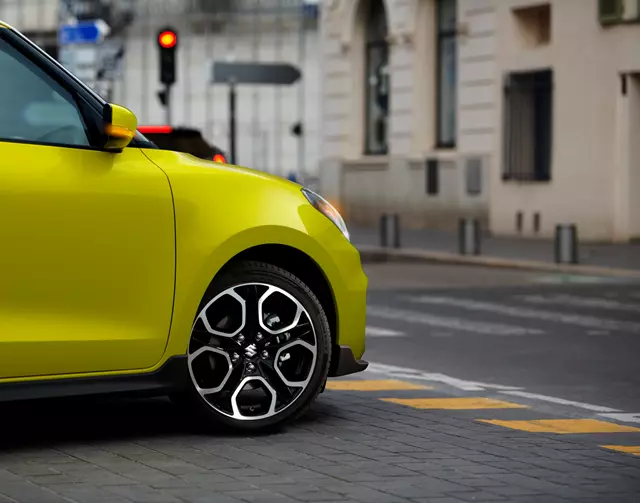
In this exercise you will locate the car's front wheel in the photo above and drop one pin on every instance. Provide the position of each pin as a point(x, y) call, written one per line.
point(260, 348)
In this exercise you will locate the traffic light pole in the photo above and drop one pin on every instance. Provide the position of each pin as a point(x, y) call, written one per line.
point(167, 106)
point(232, 121)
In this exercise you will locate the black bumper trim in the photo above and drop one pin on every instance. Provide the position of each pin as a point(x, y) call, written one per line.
point(345, 363)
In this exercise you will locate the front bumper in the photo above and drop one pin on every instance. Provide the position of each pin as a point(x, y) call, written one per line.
point(344, 362)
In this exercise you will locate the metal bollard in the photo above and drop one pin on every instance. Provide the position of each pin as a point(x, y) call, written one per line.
point(469, 236)
point(566, 244)
point(390, 230)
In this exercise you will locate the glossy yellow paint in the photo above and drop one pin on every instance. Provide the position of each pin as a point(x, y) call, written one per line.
point(87, 260)
point(106, 256)
point(222, 210)
point(88, 280)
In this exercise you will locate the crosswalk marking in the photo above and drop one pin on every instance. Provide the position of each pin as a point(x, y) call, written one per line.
point(629, 449)
point(467, 403)
point(382, 332)
point(478, 327)
point(373, 385)
point(563, 426)
point(578, 301)
point(523, 312)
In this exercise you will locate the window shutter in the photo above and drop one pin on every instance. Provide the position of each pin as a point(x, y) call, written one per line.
point(610, 11)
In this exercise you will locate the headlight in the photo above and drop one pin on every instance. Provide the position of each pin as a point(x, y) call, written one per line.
point(327, 209)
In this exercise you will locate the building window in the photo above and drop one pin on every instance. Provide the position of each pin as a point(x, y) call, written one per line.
point(528, 126)
point(610, 11)
point(446, 73)
point(534, 25)
point(377, 80)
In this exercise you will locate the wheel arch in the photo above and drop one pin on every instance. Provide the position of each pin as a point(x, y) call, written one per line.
point(299, 264)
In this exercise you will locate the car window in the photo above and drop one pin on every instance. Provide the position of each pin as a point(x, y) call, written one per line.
point(33, 106)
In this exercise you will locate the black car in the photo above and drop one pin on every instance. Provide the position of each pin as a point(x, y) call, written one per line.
point(183, 139)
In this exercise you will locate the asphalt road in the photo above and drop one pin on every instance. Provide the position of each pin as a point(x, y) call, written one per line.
point(575, 338)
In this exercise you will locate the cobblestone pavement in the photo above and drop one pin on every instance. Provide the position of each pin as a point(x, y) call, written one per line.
point(353, 446)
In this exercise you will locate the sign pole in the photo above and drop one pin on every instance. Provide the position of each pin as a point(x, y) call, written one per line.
point(232, 121)
point(233, 74)
point(167, 108)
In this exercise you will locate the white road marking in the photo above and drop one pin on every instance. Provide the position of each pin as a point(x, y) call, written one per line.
point(396, 372)
point(561, 401)
point(576, 301)
point(624, 417)
point(477, 327)
point(537, 314)
point(382, 332)
point(408, 373)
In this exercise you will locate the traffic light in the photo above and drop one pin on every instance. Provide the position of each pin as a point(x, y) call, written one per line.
point(167, 43)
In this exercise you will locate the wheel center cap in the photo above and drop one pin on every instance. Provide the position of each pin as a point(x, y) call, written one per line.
point(250, 351)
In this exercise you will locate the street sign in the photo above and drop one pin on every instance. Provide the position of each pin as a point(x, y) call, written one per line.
point(254, 73)
point(85, 32)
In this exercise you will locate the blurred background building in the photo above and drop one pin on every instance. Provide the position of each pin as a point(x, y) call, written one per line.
point(208, 30)
point(521, 113)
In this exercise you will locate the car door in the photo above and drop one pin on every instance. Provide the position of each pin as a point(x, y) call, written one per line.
point(87, 250)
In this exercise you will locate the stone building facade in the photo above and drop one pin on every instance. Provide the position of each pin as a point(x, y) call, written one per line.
point(522, 113)
point(439, 126)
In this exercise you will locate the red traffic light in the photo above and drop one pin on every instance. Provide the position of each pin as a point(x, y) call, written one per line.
point(168, 39)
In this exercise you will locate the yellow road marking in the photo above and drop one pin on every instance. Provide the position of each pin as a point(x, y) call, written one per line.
point(563, 426)
point(455, 403)
point(629, 449)
point(373, 385)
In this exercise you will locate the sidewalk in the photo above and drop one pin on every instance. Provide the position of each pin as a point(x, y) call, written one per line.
point(443, 243)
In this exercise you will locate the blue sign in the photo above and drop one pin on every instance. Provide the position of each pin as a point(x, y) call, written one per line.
point(85, 32)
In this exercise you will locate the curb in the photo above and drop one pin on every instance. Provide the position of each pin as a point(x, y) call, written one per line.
point(370, 253)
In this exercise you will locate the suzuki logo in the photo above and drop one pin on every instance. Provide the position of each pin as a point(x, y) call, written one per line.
point(250, 351)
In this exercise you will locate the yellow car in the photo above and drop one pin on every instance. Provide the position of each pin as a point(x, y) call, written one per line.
point(129, 269)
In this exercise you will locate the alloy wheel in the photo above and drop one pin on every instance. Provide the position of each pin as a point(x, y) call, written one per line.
point(252, 352)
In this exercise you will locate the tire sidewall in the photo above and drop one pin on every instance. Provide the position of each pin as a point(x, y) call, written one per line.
point(256, 272)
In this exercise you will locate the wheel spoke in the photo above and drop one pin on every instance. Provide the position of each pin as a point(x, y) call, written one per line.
point(234, 398)
point(205, 338)
point(280, 358)
point(200, 353)
point(203, 316)
point(284, 392)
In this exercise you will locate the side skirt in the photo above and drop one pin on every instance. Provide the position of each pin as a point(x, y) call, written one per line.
point(172, 376)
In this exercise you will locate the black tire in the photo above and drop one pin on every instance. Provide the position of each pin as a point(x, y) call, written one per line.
point(260, 272)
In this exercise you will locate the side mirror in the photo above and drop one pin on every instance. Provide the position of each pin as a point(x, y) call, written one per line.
point(120, 125)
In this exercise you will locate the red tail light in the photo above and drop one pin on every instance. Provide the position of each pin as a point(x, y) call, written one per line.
point(219, 158)
point(155, 129)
